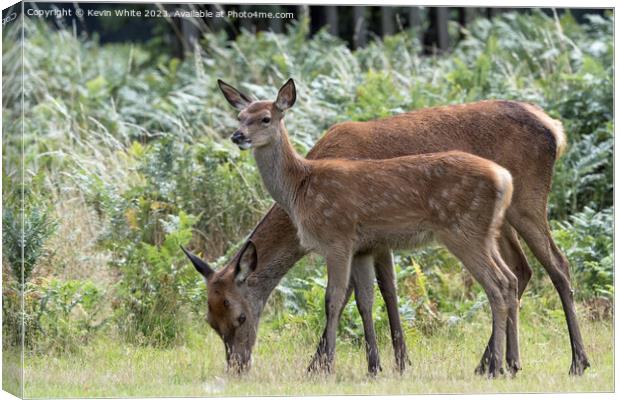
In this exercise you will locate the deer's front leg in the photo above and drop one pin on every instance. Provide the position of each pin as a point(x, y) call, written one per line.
point(321, 348)
point(338, 270)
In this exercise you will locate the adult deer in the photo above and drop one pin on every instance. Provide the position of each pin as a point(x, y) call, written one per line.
point(343, 207)
point(518, 136)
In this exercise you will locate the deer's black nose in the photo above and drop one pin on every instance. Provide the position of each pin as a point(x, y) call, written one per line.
point(237, 137)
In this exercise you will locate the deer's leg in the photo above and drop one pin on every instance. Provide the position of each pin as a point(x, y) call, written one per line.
point(384, 268)
point(478, 260)
point(534, 229)
point(516, 261)
point(338, 269)
point(514, 257)
point(321, 349)
point(363, 279)
point(513, 360)
point(488, 275)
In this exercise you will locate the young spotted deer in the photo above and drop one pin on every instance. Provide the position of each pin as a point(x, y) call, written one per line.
point(344, 207)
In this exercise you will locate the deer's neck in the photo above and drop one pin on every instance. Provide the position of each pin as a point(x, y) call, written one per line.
point(281, 169)
point(276, 241)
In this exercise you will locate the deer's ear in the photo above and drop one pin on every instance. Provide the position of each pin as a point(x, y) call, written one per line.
point(246, 263)
point(201, 266)
point(286, 96)
point(233, 96)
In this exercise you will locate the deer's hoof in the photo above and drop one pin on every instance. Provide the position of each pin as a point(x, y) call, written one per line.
point(495, 373)
point(513, 367)
point(481, 369)
point(495, 368)
point(579, 364)
point(319, 365)
point(402, 361)
point(374, 370)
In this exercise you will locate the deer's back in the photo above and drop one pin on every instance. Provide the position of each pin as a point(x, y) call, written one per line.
point(400, 202)
point(512, 134)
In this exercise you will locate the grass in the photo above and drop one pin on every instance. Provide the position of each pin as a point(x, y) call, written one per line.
point(441, 363)
point(11, 371)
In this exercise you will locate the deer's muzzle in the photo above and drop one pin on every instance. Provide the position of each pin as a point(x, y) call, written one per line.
point(238, 138)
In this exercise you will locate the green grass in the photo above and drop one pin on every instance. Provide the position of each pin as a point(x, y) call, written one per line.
point(11, 371)
point(441, 363)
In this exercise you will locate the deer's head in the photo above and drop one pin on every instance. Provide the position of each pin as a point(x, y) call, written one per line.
point(229, 311)
point(260, 121)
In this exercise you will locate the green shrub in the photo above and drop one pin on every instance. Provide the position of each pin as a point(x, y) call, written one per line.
point(27, 235)
point(587, 239)
point(213, 181)
point(57, 316)
point(156, 285)
point(68, 314)
point(583, 176)
point(27, 224)
point(376, 97)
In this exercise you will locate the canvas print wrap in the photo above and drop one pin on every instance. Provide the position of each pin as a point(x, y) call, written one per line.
point(236, 199)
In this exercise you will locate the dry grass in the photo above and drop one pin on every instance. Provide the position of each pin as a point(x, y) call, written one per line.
point(74, 253)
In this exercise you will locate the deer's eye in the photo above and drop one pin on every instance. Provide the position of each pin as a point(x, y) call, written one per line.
point(266, 120)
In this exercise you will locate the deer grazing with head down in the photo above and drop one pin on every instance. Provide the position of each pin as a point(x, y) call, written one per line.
point(519, 136)
point(343, 207)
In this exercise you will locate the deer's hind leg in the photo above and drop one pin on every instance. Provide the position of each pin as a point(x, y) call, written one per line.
point(531, 224)
point(514, 257)
point(384, 269)
point(513, 360)
point(516, 261)
point(478, 260)
point(363, 279)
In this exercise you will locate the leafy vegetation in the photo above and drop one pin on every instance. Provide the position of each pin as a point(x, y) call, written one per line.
point(126, 152)
point(27, 225)
point(156, 283)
